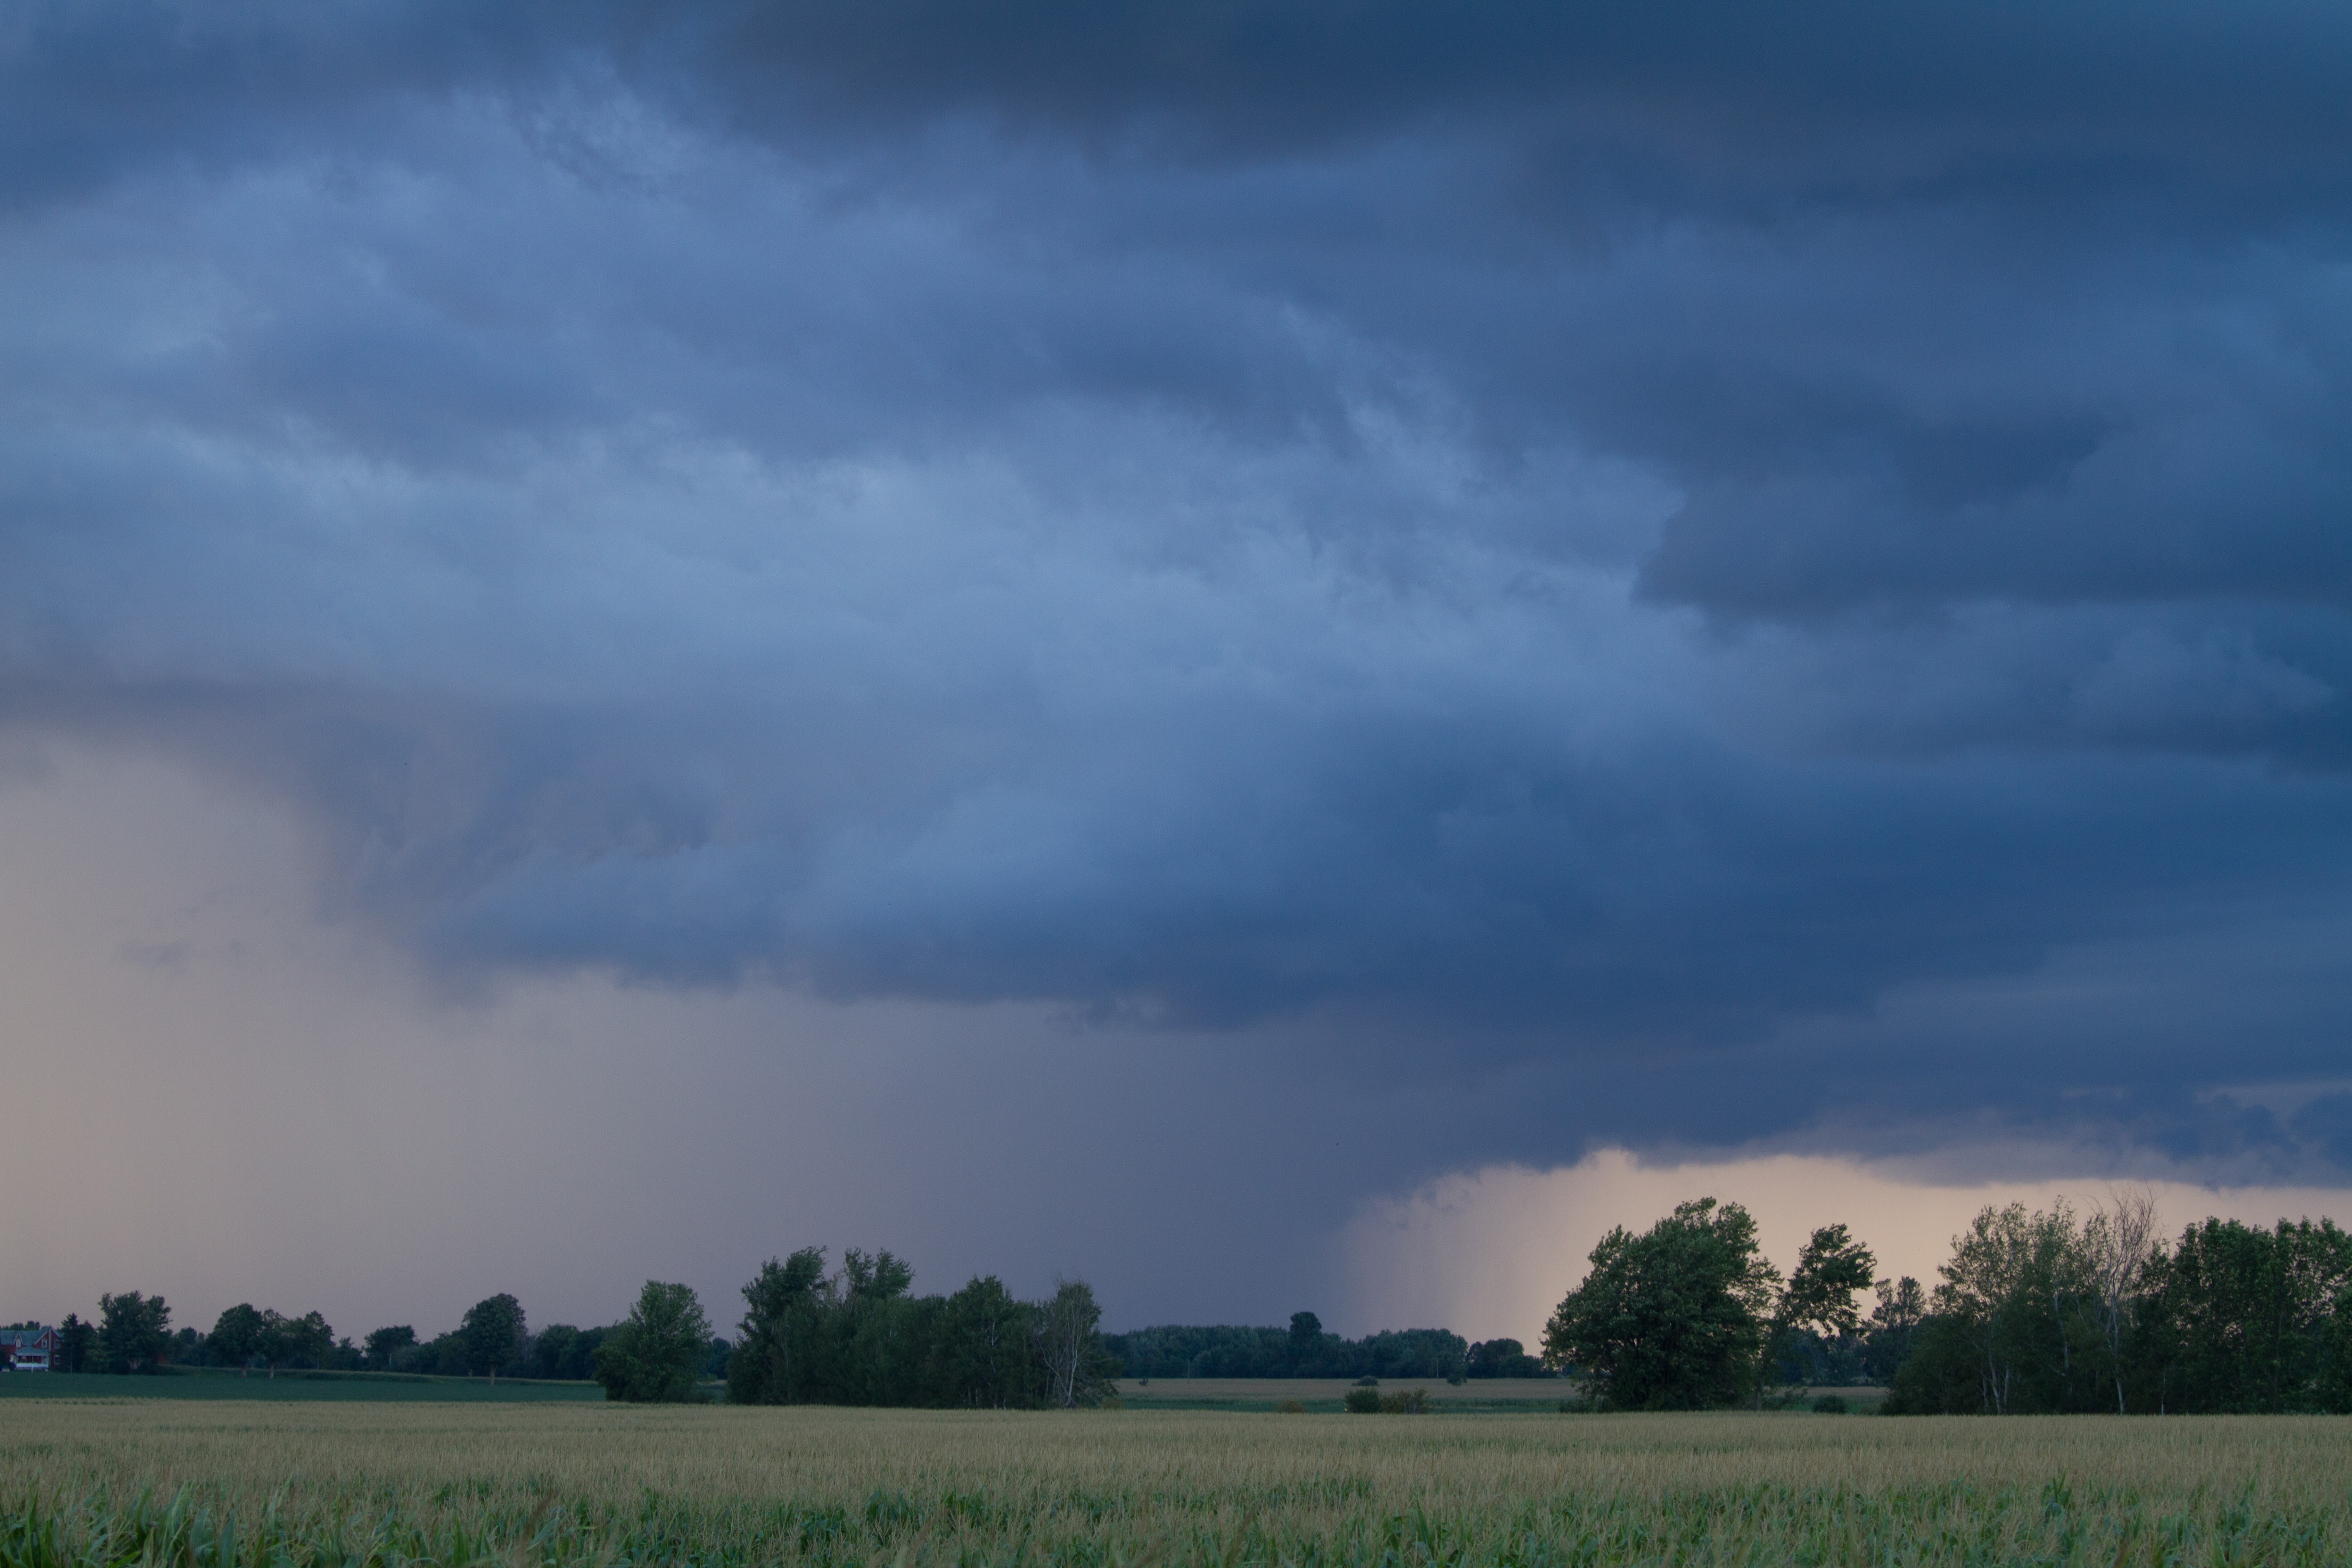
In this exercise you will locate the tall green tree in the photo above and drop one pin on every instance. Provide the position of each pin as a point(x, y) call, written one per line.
point(2122, 1250)
point(1818, 1301)
point(236, 1339)
point(492, 1331)
point(1674, 1319)
point(2255, 1320)
point(989, 1344)
point(1306, 1344)
point(1070, 1344)
point(657, 1351)
point(1893, 1323)
point(1831, 1271)
point(77, 1345)
point(780, 1308)
point(134, 1333)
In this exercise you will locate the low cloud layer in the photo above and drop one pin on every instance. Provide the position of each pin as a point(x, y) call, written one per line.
point(1684, 581)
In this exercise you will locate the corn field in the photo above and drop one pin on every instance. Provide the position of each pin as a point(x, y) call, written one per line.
point(279, 1485)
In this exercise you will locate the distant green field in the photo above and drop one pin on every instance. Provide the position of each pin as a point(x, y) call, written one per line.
point(1322, 1394)
point(1488, 1395)
point(288, 1386)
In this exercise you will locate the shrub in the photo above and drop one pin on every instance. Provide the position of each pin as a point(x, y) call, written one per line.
point(1363, 1401)
point(1292, 1407)
point(1830, 1405)
point(1412, 1403)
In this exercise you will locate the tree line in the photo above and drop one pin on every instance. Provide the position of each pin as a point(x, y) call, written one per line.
point(1306, 1350)
point(133, 1333)
point(2052, 1312)
point(2035, 1312)
point(857, 1335)
point(2049, 1310)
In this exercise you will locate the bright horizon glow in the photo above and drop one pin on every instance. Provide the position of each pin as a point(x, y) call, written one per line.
point(1489, 1253)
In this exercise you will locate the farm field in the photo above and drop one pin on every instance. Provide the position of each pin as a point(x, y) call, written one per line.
point(1500, 1395)
point(556, 1485)
point(1323, 1395)
point(295, 1387)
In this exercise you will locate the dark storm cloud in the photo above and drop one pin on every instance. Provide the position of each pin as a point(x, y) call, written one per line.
point(1534, 540)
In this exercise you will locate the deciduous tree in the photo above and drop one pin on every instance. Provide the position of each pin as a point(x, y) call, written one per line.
point(492, 1331)
point(236, 1339)
point(780, 1306)
point(1071, 1346)
point(1893, 1322)
point(133, 1332)
point(988, 1336)
point(1671, 1319)
point(77, 1345)
point(655, 1353)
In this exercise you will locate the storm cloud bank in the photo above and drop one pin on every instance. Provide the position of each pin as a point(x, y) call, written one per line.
point(1685, 577)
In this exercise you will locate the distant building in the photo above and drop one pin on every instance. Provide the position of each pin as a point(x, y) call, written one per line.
point(31, 1350)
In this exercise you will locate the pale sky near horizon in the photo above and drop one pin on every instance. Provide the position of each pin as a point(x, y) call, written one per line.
point(322, 1130)
point(1220, 648)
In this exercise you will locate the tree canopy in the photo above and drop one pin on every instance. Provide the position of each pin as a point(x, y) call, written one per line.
point(493, 1331)
point(133, 1333)
point(2046, 1310)
point(656, 1354)
point(860, 1336)
point(1674, 1319)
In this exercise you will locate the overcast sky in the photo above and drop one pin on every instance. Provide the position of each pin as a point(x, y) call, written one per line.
point(1087, 638)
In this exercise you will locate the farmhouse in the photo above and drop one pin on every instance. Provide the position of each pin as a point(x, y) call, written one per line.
point(30, 1350)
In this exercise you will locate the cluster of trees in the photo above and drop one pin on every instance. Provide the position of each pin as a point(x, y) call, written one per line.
point(133, 1334)
point(1691, 1314)
point(1305, 1350)
point(2036, 1311)
point(245, 1338)
point(1503, 1358)
point(493, 1339)
point(861, 1336)
point(563, 1351)
point(2052, 1310)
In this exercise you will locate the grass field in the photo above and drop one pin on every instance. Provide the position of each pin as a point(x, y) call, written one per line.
point(1323, 1395)
point(553, 1485)
point(290, 1387)
point(1499, 1395)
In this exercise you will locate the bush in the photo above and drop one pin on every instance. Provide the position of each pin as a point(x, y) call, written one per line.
point(1363, 1401)
point(1291, 1407)
point(1408, 1403)
point(1830, 1405)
